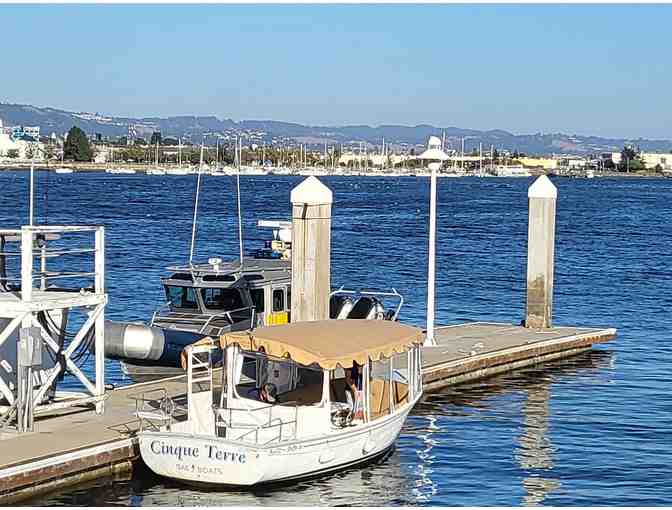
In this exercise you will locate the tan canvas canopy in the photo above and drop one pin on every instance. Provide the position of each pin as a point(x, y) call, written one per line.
point(329, 343)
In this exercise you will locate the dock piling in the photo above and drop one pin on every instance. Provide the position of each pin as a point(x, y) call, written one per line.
point(542, 197)
point(311, 250)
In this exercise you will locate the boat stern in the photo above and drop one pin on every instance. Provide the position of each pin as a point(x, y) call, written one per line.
point(200, 460)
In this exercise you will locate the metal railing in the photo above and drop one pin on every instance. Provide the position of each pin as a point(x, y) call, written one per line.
point(270, 423)
point(29, 308)
point(156, 411)
point(196, 318)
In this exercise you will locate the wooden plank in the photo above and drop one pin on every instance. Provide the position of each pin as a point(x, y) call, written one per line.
point(500, 345)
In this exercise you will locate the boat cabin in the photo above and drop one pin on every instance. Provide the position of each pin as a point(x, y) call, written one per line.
point(221, 296)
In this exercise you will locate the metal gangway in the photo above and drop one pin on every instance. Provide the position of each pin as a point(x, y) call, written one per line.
point(36, 348)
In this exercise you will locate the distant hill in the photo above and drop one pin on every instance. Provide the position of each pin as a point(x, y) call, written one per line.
point(192, 127)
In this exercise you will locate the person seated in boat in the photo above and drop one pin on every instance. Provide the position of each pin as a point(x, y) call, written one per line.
point(353, 393)
point(262, 368)
point(268, 393)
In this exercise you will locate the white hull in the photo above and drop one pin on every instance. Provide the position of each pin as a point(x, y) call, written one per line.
point(120, 171)
point(178, 171)
point(512, 171)
point(220, 462)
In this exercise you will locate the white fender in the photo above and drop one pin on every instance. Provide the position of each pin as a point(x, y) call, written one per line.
point(327, 456)
point(369, 445)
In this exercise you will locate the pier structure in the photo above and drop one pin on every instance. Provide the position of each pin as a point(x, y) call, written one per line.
point(311, 250)
point(542, 197)
point(35, 347)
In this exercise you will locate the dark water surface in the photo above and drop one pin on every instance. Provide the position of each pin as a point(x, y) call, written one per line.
point(592, 430)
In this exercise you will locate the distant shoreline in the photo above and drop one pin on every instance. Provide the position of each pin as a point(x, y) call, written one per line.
point(140, 169)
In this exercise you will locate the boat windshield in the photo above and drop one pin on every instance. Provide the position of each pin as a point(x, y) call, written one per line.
point(181, 297)
point(222, 299)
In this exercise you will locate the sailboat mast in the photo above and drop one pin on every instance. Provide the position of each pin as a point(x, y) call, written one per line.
point(480, 158)
point(193, 224)
point(240, 219)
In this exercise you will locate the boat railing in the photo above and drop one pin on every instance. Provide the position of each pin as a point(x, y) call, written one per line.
point(154, 408)
point(254, 429)
point(165, 314)
point(227, 315)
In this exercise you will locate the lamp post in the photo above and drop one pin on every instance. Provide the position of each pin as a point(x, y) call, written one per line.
point(436, 156)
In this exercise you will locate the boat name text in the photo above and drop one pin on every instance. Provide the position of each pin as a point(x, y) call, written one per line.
point(194, 452)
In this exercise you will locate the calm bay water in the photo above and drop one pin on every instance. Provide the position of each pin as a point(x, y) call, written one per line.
point(592, 430)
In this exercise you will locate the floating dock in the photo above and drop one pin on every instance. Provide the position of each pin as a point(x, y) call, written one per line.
point(73, 447)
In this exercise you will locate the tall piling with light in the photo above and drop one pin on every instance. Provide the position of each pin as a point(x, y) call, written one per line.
point(435, 154)
point(311, 250)
point(542, 196)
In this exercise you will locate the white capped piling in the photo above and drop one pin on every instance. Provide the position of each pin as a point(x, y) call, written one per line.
point(542, 197)
point(434, 153)
point(311, 250)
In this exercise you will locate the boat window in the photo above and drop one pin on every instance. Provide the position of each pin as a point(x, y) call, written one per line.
point(380, 385)
point(222, 299)
point(289, 298)
point(181, 276)
point(181, 297)
point(278, 300)
point(258, 299)
point(219, 278)
point(253, 277)
point(294, 384)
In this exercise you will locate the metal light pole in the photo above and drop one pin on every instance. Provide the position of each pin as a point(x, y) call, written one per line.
point(437, 156)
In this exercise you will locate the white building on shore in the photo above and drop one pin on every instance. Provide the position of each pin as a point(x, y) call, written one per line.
point(651, 160)
point(22, 143)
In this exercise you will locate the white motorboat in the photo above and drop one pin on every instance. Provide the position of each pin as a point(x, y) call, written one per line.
point(120, 171)
point(511, 171)
point(179, 171)
point(63, 170)
point(156, 171)
point(292, 401)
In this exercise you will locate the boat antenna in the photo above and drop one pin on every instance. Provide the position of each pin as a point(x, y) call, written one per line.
point(240, 216)
point(193, 224)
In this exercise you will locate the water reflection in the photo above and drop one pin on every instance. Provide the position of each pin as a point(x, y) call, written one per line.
point(425, 487)
point(533, 449)
point(536, 451)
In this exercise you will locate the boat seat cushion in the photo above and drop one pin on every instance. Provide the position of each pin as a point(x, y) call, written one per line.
point(308, 395)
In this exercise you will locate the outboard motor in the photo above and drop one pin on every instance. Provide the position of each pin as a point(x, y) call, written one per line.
point(367, 308)
point(141, 343)
point(362, 309)
point(340, 307)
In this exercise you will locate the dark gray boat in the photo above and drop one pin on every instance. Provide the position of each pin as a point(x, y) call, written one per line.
point(217, 297)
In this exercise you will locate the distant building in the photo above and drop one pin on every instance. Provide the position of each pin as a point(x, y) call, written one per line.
point(25, 146)
point(652, 160)
point(545, 163)
point(26, 133)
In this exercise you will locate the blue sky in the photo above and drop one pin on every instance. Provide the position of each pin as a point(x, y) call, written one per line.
point(588, 69)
